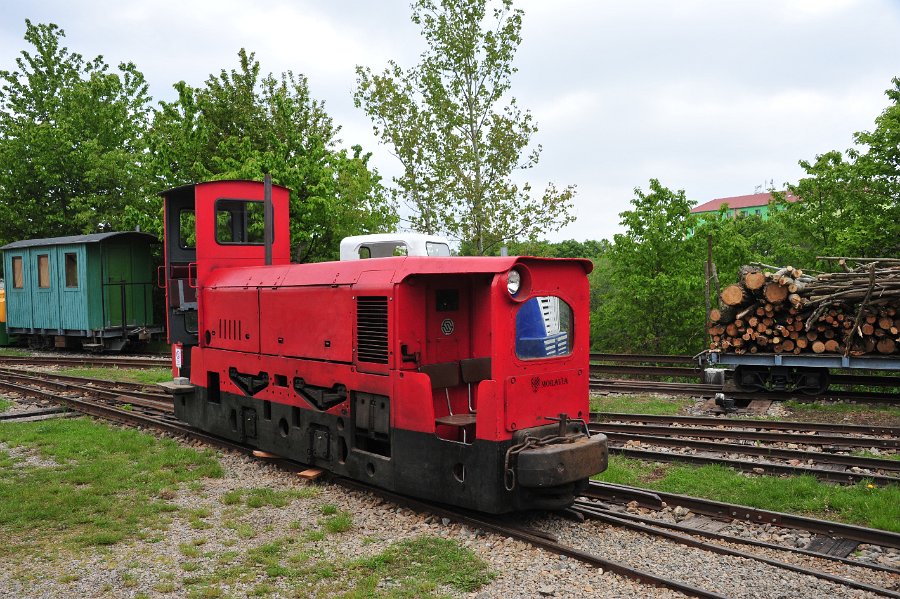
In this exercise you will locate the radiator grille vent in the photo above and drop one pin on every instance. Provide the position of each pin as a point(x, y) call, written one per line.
point(372, 329)
point(230, 328)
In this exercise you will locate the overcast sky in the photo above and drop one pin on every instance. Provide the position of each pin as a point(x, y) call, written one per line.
point(715, 97)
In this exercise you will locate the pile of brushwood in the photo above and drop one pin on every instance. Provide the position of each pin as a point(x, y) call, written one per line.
point(784, 310)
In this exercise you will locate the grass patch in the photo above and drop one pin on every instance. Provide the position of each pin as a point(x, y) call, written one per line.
point(864, 453)
point(412, 568)
point(189, 550)
point(639, 404)
point(104, 488)
point(4, 404)
point(147, 376)
point(877, 507)
point(417, 567)
point(11, 351)
point(339, 522)
point(164, 587)
point(841, 408)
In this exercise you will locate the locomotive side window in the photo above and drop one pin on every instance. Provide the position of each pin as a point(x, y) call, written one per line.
point(544, 328)
point(43, 261)
point(240, 221)
point(18, 274)
point(71, 271)
point(187, 229)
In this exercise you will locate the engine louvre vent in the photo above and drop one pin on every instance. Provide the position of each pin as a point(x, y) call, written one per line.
point(372, 329)
point(230, 328)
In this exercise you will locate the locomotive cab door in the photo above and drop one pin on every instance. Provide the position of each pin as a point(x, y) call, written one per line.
point(181, 271)
point(449, 345)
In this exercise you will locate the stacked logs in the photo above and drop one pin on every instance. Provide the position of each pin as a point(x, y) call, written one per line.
point(784, 310)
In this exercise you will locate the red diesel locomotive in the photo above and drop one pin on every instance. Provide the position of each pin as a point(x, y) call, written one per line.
point(460, 380)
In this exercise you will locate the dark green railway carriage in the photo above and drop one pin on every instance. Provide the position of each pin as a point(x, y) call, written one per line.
point(90, 290)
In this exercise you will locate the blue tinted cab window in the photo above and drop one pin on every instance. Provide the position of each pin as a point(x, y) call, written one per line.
point(544, 328)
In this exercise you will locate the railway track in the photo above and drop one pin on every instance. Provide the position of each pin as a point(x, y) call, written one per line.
point(88, 361)
point(111, 402)
point(708, 522)
point(693, 440)
point(708, 391)
point(758, 446)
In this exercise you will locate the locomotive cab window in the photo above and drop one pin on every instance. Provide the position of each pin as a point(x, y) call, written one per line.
point(240, 221)
point(43, 263)
point(18, 273)
point(544, 328)
point(187, 229)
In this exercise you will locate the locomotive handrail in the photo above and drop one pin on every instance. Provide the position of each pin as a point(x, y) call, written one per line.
point(192, 266)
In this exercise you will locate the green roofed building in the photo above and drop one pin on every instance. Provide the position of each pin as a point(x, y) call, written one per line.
point(756, 204)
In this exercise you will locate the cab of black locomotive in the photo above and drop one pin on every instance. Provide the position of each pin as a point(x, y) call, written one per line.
point(461, 380)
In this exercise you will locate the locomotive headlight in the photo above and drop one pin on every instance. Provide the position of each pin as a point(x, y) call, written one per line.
point(513, 281)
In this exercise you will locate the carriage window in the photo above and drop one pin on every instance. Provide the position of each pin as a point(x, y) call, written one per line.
point(43, 271)
point(240, 221)
point(437, 249)
point(18, 273)
point(187, 229)
point(71, 270)
point(365, 252)
point(544, 328)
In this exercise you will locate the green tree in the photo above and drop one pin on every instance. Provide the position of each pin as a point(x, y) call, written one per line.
point(652, 301)
point(458, 135)
point(240, 125)
point(568, 248)
point(72, 142)
point(849, 202)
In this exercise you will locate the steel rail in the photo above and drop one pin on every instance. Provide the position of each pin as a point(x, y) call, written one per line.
point(163, 422)
point(697, 373)
point(137, 389)
point(148, 400)
point(638, 358)
point(721, 510)
point(735, 539)
point(719, 549)
point(677, 371)
point(771, 452)
point(700, 390)
point(825, 427)
point(32, 414)
point(87, 361)
point(751, 435)
point(748, 466)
